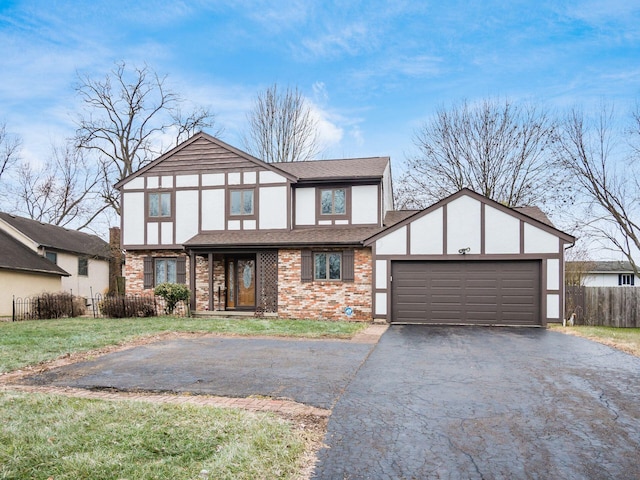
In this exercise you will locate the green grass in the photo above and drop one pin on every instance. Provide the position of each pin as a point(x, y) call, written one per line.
point(626, 339)
point(51, 436)
point(31, 342)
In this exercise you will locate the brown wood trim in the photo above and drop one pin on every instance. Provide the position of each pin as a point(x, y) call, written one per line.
point(482, 228)
point(444, 229)
point(469, 256)
point(522, 223)
point(210, 279)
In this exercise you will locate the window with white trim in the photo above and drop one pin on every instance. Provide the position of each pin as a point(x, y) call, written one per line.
point(626, 279)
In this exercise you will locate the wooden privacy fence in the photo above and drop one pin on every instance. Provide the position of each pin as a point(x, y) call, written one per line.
point(604, 306)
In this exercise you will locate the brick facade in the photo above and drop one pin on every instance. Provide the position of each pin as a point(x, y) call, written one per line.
point(317, 300)
point(324, 300)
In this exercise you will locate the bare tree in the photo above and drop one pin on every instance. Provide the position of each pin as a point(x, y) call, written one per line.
point(9, 150)
point(594, 153)
point(64, 192)
point(125, 116)
point(281, 127)
point(496, 148)
point(578, 265)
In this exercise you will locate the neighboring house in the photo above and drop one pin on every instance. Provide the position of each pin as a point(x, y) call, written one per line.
point(604, 273)
point(320, 239)
point(83, 258)
point(24, 273)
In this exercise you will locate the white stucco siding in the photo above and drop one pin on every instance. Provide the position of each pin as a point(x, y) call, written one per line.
point(186, 181)
point(187, 214)
point(233, 225)
point(249, 178)
point(248, 224)
point(153, 182)
point(364, 204)
point(166, 233)
point(134, 184)
point(152, 233)
point(502, 232)
point(394, 243)
point(273, 208)
point(387, 190)
point(213, 205)
point(463, 225)
point(427, 234)
point(233, 178)
point(381, 274)
point(553, 306)
point(268, 176)
point(381, 303)
point(606, 280)
point(305, 206)
point(553, 274)
point(537, 240)
point(133, 218)
point(212, 179)
point(166, 181)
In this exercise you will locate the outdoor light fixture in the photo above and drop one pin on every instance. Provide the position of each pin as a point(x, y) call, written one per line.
point(464, 251)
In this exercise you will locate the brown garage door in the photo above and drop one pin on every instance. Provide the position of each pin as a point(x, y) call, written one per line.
point(466, 292)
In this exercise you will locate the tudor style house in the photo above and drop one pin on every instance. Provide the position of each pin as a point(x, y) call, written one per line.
point(320, 239)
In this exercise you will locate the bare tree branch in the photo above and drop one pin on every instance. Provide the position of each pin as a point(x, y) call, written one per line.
point(125, 115)
point(498, 149)
point(590, 150)
point(10, 146)
point(282, 127)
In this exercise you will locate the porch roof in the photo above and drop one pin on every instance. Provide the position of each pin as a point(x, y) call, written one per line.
point(313, 236)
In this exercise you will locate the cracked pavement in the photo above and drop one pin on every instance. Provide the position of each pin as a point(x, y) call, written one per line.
point(486, 403)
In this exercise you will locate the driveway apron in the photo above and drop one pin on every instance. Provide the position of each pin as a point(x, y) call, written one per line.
point(486, 403)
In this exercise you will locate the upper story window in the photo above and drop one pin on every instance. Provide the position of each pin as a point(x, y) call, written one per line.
point(160, 204)
point(241, 202)
point(333, 201)
point(83, 266)
point(626, 279)
point(51, 256)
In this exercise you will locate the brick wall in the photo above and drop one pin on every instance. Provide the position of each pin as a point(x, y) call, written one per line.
point(202, 283)
point(324, 300)
point(134, 269)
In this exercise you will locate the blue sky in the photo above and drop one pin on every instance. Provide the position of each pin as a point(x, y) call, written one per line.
point(374, 71)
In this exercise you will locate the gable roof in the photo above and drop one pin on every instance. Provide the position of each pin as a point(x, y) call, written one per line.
point(481, 198)
point(58, 238)
point(534, 212)
point(16, 256)
point(198, 137)
point(339, 169)
point(615, 266)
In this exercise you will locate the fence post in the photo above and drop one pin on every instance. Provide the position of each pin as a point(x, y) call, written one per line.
point(71, 290)
point(13, 309)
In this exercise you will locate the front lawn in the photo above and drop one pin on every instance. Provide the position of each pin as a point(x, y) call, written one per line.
point(56, 437)
point(31, 342)
point(625, 339)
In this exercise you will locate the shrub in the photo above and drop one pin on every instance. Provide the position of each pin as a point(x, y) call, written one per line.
point(57, 305)
point(172, 294)
point(119, 306)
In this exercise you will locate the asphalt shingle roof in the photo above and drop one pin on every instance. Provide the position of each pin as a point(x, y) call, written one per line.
point(58, 238)
point(16, 256)
point(349, 168)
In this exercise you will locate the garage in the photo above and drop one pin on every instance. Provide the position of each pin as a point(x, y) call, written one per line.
point(468, 260)
point(466, 292)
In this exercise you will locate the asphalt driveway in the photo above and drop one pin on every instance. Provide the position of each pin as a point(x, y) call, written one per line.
point(487, 403)
point(425, 402)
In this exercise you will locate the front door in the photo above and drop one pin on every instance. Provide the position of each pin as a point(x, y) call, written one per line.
point(241, 282)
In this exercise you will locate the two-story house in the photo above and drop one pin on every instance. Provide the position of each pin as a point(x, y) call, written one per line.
point(320, 239)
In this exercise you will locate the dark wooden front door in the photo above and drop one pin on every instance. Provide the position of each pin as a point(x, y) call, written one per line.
point(241, 282)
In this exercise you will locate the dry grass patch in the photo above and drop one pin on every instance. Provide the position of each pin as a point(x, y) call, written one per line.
point(625, 339)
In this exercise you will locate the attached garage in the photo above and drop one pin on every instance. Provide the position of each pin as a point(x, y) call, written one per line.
point(468, 260)
point(466, 292)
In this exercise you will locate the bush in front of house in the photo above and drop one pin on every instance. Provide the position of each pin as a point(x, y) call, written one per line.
point(57, 305)
point(121, 306)
point(172, 294)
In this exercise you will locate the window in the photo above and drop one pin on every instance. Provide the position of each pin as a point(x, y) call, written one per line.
point(327, 266)
point(242, 202)
point(333, 201)
point(160, 204)
point(52, 257)
point(166, 270)
point(626, 279)
point(83, 266)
